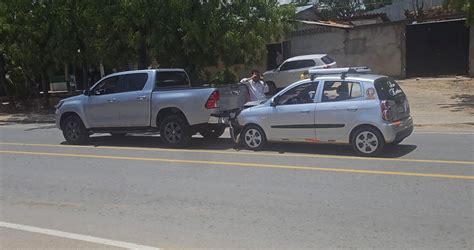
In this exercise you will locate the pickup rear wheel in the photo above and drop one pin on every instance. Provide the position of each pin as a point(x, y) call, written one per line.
point(212, 132)
point(175, 131)
point(74, 130)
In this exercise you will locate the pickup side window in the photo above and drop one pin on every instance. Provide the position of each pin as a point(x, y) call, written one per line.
point(107, 86)
point(335, 91)
point(171, 79)
point(303, 93)
point(134, 82)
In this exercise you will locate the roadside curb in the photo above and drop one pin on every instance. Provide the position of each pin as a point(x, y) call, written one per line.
point(27, 121)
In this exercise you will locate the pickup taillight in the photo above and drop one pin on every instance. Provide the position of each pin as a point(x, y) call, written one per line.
point(385, 108)
point(213, 100)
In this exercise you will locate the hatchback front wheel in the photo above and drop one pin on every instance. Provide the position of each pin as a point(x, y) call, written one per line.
point(253, 137)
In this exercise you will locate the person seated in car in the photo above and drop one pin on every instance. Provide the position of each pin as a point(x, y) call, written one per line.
point(342, 92)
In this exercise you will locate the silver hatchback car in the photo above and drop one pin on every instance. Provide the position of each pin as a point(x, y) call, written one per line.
point(340, 106)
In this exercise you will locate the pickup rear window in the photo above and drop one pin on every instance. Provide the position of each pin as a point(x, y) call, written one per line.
point(172, 79)
point(388, 89)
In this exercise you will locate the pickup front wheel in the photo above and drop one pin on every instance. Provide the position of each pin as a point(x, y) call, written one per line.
point(74, 130)
point(175, 131)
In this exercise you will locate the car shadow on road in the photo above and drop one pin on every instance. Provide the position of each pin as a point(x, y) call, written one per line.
point(228, 144)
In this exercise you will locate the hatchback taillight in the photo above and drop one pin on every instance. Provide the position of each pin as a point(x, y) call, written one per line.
point(384, 108)
point(213, 100)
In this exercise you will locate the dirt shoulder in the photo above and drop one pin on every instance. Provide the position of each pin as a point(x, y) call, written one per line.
point(446, 103)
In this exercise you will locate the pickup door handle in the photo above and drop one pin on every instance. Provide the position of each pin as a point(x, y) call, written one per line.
point(305, 111)
point(352, 109)
point(112, 100)
point(142, 97)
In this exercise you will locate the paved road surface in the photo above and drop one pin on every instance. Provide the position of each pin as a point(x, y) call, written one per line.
point(133, 191)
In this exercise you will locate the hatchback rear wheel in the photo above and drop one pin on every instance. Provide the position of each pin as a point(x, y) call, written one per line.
point(367, 141)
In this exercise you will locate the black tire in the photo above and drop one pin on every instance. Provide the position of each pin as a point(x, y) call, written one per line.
point(175, 131)
point(118, 134)
point(212, 132)
point(367, 141)
point(74, 130)
point(253, 137)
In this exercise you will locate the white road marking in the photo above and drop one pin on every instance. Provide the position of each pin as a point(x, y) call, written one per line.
point(73, 236)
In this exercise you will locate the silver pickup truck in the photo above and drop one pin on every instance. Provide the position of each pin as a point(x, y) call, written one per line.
point(149, 100)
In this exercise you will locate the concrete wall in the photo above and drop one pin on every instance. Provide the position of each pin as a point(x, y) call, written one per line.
point(380, 46)
point(471, 52)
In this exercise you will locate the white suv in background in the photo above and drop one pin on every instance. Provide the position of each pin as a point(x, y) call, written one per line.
point(291, 70)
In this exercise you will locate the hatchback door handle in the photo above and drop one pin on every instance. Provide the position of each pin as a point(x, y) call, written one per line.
point(112, 100)
point(352, 109)
point(142, 97)
point(305, 111)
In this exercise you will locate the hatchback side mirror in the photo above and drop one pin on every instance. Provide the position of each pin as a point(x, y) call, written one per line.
point(86, 92)
point(274, 102)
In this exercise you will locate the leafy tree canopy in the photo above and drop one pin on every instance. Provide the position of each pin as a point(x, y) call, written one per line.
point(466, 6)
point(43, 34)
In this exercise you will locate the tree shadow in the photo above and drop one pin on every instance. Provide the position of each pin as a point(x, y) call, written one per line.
point(463, 101)
point(199, 143)
point(41, 127)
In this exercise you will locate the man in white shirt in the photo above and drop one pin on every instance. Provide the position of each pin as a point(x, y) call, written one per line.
point(257, 88)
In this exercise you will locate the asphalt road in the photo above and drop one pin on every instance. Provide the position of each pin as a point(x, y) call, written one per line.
point(115, 192)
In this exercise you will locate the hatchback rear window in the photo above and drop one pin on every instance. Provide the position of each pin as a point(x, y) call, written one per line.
point(327, 59)
point(388, 89)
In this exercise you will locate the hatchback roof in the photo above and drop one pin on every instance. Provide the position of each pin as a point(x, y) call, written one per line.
point(354, 77)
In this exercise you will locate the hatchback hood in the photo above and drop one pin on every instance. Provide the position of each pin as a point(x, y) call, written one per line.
point(253, 104)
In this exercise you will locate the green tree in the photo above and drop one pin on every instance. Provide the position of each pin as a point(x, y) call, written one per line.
point(466, 6)
point(39, 37)
point(337, 9)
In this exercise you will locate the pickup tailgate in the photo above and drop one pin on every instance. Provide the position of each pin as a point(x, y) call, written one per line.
point(232, 97)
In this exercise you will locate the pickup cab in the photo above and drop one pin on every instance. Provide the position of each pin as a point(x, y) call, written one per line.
point(149, 100)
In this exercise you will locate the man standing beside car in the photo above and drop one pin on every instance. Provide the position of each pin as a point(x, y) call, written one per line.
point(257, 88)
